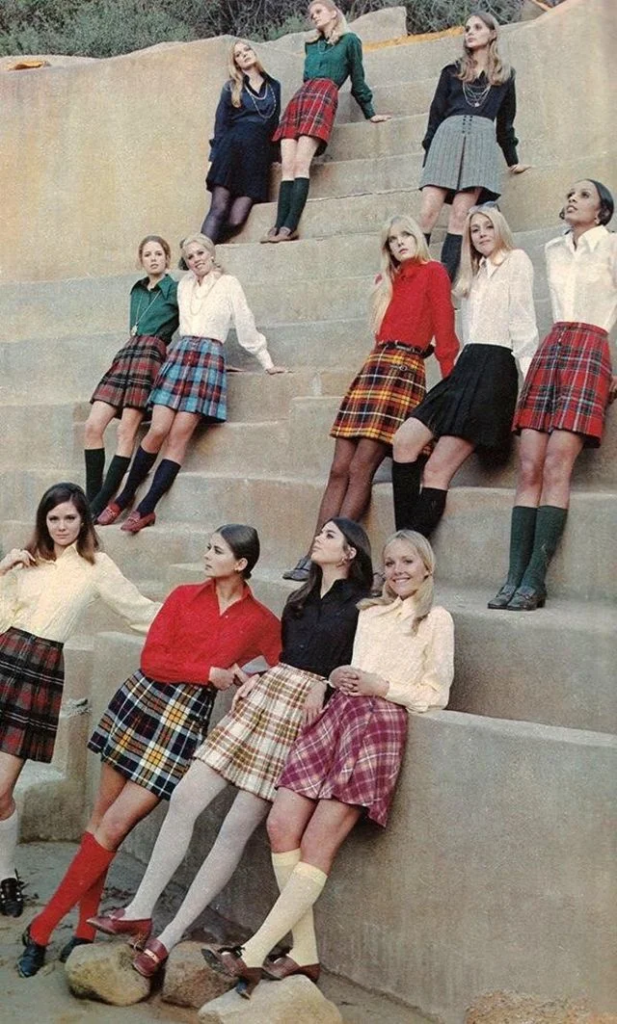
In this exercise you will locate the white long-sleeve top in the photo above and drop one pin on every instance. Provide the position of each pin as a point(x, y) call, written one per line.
point(208, 310)
point(49, 598)
point(583, 279)
point(419, 666)
point(499, 309)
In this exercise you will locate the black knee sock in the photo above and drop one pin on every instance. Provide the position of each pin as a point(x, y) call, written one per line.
point(427, 237)
point(95, 464)
point(406, 478)
point(451, 253)
point(285, 192)
point(142, 464)
point(428, 510)
point(164, 477)
point(113, 478)
point(298, 202)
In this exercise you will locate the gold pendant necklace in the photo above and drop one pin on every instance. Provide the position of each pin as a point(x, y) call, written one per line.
point(135, 326)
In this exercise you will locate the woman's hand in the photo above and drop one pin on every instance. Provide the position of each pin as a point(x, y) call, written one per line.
point(248, 685)
point(341, 675)
point(222, 678)
point(313, 703)
point(277, 369)
point(378, 118)
point(363, 684)
point(17, 556)
point(519, 168)
point(612, 391)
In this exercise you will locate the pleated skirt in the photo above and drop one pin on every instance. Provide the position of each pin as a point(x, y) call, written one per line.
point(193, 379)
point(131, 376)
point(464, 155)
point(310, 111)
point(242, 162)
point(31, 681)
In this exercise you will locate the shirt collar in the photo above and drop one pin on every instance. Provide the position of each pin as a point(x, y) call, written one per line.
point(209, 588)
point(401, 609)
point(588, 240)
point(164, 285)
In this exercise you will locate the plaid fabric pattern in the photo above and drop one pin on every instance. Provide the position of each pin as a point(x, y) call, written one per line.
point(193, 379)
point(567, 384)
point(249, 746)
point(31, 680)
point(132, 374)
point(310, 111)
point(464, 154)
point(150, 730)
point(352, 753)
point(385, 392)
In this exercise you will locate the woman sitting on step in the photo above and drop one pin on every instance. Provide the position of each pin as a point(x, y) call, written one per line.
point(471, 114)
point(347, 761)
point(474, 407)
point(44, 590)
point(331, 57)
point(156, 720)
point(125, 389)
point(563, 403)
point(191, 384)
point(241, 151)
point(249, 746)
point(410, 305)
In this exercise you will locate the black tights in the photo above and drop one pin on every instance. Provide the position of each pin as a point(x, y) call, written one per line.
point(226, 215)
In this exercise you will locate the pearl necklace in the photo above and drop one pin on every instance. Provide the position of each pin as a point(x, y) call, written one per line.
point(196, 301)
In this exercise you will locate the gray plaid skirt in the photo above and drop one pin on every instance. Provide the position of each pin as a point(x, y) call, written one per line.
point(464, 155)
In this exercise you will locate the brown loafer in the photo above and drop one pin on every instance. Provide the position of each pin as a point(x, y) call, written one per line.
point(115, 923)
point(227, 960)
point(151, 959)
point(280, 967)
point(135, 522)
point(109, 515)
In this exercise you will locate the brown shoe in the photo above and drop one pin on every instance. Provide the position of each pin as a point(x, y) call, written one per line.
point(151, 959)
point(286, 235)
point(109, 515)
point(135, 522)
point(280, 967)
point(115, 923)
point(227, 960)
point(270, 235)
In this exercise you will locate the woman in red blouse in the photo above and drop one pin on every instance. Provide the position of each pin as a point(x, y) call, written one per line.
point(158, 718)
point(410, 305)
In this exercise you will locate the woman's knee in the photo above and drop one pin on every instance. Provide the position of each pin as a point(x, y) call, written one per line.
point(405, 443)
point(557, 470)
point(282, 831)
point(127, 432)
point(93, 433)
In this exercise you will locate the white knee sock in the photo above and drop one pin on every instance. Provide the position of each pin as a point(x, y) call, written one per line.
point(301, 892)
point(304, 941)
point(9, 834)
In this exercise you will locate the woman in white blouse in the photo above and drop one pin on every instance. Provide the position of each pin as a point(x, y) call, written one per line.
point(347, 760)
point(473, 407)
point(44, 589)
point(563, 403)
point(191, 384)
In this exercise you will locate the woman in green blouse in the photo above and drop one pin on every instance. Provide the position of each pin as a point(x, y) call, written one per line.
point(334, 55)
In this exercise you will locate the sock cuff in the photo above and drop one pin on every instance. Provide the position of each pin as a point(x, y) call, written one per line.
point(283, 859)
point(8, 824)
point(304, 870)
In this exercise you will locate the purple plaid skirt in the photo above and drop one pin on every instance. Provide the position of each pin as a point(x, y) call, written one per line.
point(353, 753)
point(132, 374)
point(193, 379)
point(310, 111)
point(31, 680)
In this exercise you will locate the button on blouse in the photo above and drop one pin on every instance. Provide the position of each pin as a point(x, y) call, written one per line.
point(583, 279)
point(320, 638)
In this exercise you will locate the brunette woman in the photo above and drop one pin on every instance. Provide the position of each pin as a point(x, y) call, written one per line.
point(563, 403)
point(192, 384)
point(331, 57)
point(474, 407)
point(347, 761)
point(157, 718)
point(410, 305)
point(125, 389)
point(44, 590)
point(472, 114)
point(249, 746)
point(241, 151)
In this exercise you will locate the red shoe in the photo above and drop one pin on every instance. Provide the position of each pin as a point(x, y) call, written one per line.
point(108, 515)
point(151, 959)
point(115, 923)
point(279, 967)
point(135, 522)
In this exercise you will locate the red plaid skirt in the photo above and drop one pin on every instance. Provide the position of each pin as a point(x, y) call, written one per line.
point(130, 378)
point(568, 383)
point(310, 111)
point(387, 389)
point(353, 753)
point(31, 680)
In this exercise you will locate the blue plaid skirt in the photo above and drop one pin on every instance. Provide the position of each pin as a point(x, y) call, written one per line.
point(193, 379)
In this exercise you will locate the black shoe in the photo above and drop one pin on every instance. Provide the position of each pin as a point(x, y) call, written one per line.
point(527, 599)
point(32, 958)
point(503, 597)
point(72, 944)
point(300, 572)
point(11, 896)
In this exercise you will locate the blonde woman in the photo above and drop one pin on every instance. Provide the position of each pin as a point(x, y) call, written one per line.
point(410, 305)
point(474, 407)
point(472, 114)
point(241, 150)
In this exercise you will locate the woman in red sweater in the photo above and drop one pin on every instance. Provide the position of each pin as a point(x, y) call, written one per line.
point(410, 305)
point(158, 718)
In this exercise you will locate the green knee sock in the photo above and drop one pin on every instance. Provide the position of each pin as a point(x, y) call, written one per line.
point(298, 202)
point(285, 193)
point(550, 525)
point(522, 532)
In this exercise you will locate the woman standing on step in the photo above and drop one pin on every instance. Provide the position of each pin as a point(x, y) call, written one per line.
point(249, 746)
point(347, 761)
point(241, 151)
point(44, 590)
point(192, 383)
point(410, 305)
point(157, 718)
point(474, 407)
point(331, 57)
point(471, 114)
point(125, 389)
point(563, 403)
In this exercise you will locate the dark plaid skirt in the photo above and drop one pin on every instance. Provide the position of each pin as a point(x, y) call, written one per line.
point(193, 379)
point(464, 155)
point(31, 680)
point(132, 374)
point(151, 730)
point(353, 753)
point(387, 389)
point(568, 383)
point(310, 111)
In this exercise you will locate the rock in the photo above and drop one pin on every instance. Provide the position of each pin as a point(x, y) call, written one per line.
point(188, 979)
point(510, 1008)
point(292, 1001)
point(104, 971)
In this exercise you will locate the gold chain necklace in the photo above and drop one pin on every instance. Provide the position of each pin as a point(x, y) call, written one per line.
point(139, 314)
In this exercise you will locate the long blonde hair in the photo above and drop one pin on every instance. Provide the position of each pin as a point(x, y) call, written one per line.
point(381, 294)
point(498, 70)
point(470, 257)
point(340, 25)
point(423, 597)
point(235, 74)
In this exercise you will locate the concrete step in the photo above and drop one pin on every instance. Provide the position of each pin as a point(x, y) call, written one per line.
point(405, 97)
point(402, 134)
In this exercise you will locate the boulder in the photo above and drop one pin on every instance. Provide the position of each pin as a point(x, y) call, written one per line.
point(188, 979)
point(510, 1008)
point(104, 971)
point(295, 1000)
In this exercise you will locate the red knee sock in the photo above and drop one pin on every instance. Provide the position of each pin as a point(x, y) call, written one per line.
point(89, 907)
point(88, 865)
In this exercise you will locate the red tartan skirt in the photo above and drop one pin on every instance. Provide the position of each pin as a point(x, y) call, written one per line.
point(31, 681)
point(131, 376)
point(567, 385)
point(352, 753)
point(310, 111)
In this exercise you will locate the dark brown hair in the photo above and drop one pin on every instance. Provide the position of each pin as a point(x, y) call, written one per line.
point(244, 542)
point(360, 567)
point(41, 545)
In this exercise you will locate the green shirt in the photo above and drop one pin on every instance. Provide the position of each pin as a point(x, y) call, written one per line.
point(339, 62)
point(154, 312)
